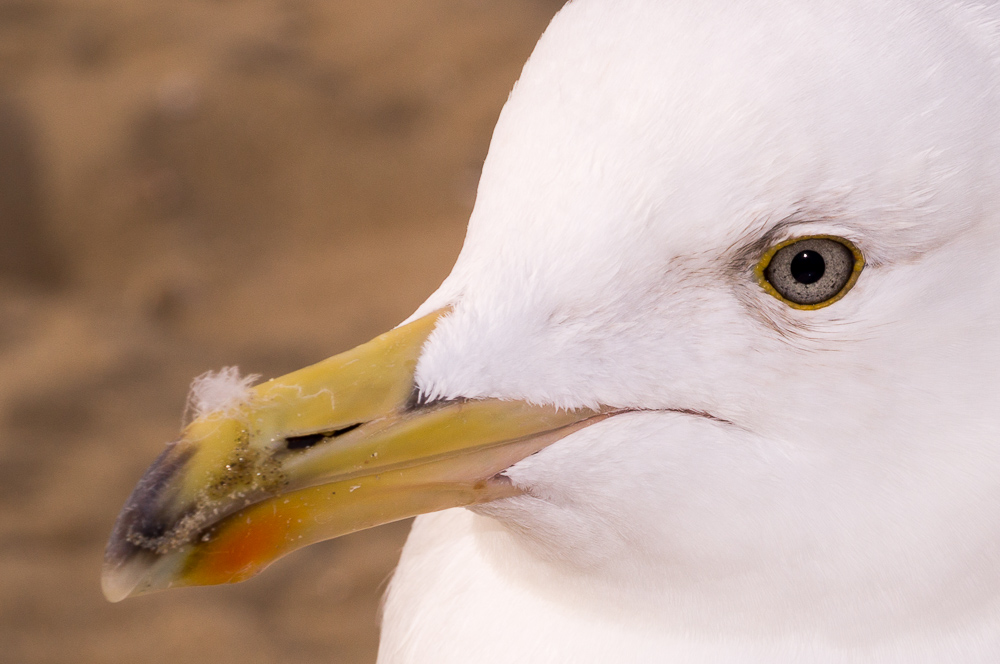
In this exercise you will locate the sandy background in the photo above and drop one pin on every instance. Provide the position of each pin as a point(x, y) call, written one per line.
point(190, 184)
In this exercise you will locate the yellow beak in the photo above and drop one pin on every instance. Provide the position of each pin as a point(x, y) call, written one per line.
point(334, 448)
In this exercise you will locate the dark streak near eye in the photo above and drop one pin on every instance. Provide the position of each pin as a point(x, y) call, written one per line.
point(419, 401)
point(415, 400)
point(308, 440)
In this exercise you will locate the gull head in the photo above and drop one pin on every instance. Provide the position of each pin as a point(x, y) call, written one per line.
point(721, 342)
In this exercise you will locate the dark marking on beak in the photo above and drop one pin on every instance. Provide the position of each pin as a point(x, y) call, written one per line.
point(144, 518)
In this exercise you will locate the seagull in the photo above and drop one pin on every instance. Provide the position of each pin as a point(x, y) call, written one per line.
point(714, 378)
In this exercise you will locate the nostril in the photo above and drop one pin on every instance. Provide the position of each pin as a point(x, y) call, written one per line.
point(311, 439)
point(303, 442)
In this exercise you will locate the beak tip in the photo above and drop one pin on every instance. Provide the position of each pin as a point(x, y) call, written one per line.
point(140, 574)
point(118, 583)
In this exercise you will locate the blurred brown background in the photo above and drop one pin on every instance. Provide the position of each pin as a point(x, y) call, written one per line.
point(190, 184)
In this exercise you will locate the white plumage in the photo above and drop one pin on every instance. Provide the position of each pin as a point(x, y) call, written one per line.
point(798, 486)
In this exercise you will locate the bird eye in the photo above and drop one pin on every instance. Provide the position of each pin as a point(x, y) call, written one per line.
point(810, 272)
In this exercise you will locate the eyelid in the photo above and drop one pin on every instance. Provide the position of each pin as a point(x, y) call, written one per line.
point(765, 261)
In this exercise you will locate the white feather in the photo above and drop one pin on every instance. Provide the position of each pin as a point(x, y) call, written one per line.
point(220, 390)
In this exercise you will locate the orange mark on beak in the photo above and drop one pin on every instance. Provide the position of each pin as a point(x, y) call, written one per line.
point(243, 545)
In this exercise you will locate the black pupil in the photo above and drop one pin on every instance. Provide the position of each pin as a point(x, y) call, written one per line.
point(808, 267)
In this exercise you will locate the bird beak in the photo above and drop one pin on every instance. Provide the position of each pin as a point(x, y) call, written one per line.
point(337, 447)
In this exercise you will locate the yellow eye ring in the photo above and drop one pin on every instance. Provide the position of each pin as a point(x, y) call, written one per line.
point(810, 272)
